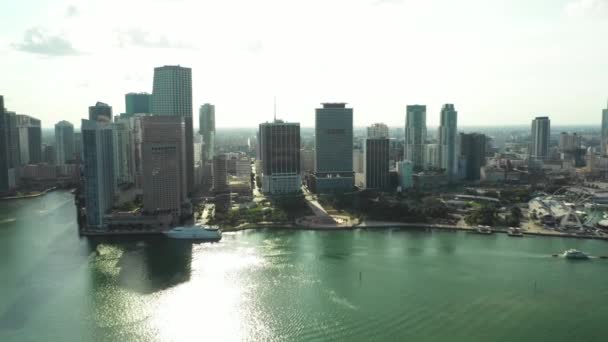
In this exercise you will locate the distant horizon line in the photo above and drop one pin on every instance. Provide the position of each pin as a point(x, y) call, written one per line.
point(585, 125)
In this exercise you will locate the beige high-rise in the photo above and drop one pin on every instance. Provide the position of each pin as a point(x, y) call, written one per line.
point(164, 164)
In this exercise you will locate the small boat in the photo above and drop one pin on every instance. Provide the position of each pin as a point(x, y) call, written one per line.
point(515, 232)
point(198, 232)
point(484, 230)
point(575, 254)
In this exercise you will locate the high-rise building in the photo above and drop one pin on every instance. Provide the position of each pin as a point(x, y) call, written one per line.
point(280, 152)
point(307, 161)
point(569, 142)
point(206, 116)
point(164, 165)
point(48, 154)
point(220, 174)
point(448, 131)
point(64, 142)
point(605, 131)
point(376, 168)
point(98, 162)
point(333, 148)
point(207, 129)
point(100, 112)
point(377, 130)
point(123, 157)
point(405, 170)
point(432, 156)
point(415, 134)
point(4, 148)
point(137, 103)
point(172, 96)
point(30, 139)
point(358, 156)
point(539, 141)
point(473, 154)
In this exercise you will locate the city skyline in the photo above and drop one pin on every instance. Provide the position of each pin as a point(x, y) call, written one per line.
point(510, 71)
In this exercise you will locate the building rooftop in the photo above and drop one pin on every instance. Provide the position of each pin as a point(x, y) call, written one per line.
point(334, 104)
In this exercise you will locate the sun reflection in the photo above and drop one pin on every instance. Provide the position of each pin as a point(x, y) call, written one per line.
point(219, 301)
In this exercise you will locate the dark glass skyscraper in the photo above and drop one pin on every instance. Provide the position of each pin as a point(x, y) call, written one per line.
point(98, 163)
point(137, 103)
point(172, 96)
point(4, 148)
point(280, 154)
point(333, 148)
point(375, 163)
point(473, 152)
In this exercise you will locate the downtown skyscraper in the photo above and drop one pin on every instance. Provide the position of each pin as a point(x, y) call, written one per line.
point(164, 167)
point(473, 154)
point(539, 138)
point(64, 142)
point(206, 117)
point(280, 154)
point(30, 139)
point(604, 147)
point(333, 148)
point(375, 163)
point(415, 135)
point(448, 131)
point(137, 103)
point(172, 96)
point(98, 162)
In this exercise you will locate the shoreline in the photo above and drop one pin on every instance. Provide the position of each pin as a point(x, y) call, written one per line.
point(370, 225)
point(42, 193)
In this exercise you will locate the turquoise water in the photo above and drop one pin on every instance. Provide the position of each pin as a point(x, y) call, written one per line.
point(291, 285)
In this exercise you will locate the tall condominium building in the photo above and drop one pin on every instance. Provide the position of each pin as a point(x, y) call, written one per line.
point(30, 139)
point(164, 165)
point(100, 112)
point(377, 130)
point(473, 153)
point(415, 135)
point(569, 142)
point(605, 131)
point(206, 116)
point(432, 156)
point(4, 149)
point(137, 103)
point(220, 174)
point(376, 168)
point(123, 157)
point(333, 148)
point(280, 154)
point(172, 96)
point(405, 171)
point(539, 141)
point(307, 161)
point(64, 142)
point(448, 132)
point(98, 162)
point(49, 154)
point(358, 156)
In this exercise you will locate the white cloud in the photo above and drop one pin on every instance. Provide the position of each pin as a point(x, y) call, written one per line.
point(587, 8)
point(137, 37)
point(38, 41)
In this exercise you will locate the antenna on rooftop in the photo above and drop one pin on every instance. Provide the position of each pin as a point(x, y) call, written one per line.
point(275, 108)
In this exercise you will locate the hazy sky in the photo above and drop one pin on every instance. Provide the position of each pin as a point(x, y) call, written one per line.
point(498, 61)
